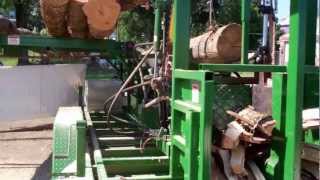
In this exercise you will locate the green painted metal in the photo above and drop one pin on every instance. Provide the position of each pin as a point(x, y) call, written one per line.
point(69, 143)
point(181, 34)
point(158, 5)
point(112, 48)
point(191, 125)
point(298, 55)
point(118, 153)
point(242, 68)
point(245, 17)
point(275, 163)
point(310, 37)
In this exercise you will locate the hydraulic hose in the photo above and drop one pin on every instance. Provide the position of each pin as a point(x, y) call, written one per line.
point(126, 83)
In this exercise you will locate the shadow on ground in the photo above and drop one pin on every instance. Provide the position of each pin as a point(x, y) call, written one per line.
point(43, 172)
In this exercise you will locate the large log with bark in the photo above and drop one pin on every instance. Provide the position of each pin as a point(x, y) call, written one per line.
point(220, 46)
point(84, 18)
point(77, 20)
point(54, 14)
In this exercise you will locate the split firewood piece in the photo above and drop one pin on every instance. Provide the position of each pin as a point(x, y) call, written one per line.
point(241, 119)
point(102, 17)
point(231, 137)
point(267, 127)
point(237, 161)
point(54, 14)
point(252, 119)
point(77, 20)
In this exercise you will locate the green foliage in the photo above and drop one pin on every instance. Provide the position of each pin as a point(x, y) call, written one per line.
point(136, 25)
point(6, 6)
point(27, 12)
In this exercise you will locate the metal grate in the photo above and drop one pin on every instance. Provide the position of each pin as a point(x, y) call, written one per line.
point(229, 97)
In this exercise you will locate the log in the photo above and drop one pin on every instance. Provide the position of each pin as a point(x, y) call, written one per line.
point(220, 46)
point(7, 27)
point(102, 17)
point(77, 20)
point(54, 14)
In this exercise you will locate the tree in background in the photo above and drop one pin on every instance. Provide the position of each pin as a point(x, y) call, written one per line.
point(136, 25)
point(27, 12)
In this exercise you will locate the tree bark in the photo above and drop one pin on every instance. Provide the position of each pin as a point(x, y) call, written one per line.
point(220, 46)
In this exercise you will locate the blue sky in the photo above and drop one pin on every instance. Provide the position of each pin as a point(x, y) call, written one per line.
point(283, 8)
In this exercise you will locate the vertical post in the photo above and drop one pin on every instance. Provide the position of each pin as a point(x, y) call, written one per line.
point(275, 162)
point(81, 148)
point(205, 131)
point(181, 34)
point(298, 56)
point(157, 26)
point(156, 34)
point(245, 16)
point(311, 29)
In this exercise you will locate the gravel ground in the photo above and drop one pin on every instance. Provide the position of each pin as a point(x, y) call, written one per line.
point(27, 154)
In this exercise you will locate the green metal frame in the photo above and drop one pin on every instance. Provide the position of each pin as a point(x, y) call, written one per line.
point(191, 125)
point(188, 155)
point(69, 144)
point(288, 92)
point(111, 48)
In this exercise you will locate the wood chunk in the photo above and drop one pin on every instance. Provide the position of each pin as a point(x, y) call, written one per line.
point(267, 127)
point(254, 120)
point(231, 137)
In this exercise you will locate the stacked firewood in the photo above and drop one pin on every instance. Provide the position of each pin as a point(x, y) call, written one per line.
point(249, 128)
point(84, 18)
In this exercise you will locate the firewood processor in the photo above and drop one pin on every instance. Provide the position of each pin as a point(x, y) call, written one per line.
point(184, 107)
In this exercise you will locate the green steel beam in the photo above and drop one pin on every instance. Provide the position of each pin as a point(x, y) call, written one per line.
point(181, 34)
point(245, 16)
point(147, 177)
point(243, 68)
point(191, 74)
point(298, 57)
point(157, 24)
point(130, 151)
point(72, 44)
point(137, 165)
point(311, 24)
point(275, 162)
